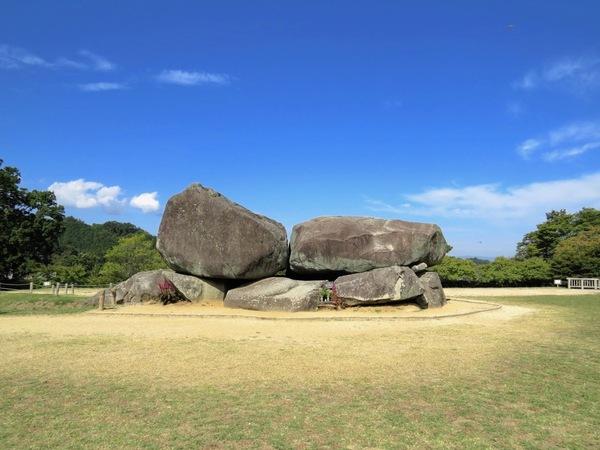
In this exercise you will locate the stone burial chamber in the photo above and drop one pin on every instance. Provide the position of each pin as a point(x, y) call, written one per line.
point(219, 250)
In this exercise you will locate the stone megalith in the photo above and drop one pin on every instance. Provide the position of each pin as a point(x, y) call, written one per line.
point(433, 294)
point(386, 285)
point(357, 244)
point(276, 294)
point(143, 287)
point(205, 234)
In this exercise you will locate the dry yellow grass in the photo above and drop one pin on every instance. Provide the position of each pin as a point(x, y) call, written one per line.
point(221, 351)
point(507, 378)
point(482, 293)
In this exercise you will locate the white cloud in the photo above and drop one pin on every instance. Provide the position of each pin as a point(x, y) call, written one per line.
point(566, 142)
point(493, 202)
point(528, 147)
point(184, 78)
point(556, 155)
point(147, 202)
point(101, 86)
point(529, 81)
point(17, 58)
point(88, 194)
point(578, 75)
point(99, 62)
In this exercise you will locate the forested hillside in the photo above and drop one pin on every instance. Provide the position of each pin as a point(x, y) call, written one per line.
point(95, 240)
point(84, 250)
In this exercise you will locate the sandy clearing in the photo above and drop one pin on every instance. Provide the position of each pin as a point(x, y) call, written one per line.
point(515, 292)
point(189, 351)
point(208, 309)
point(232, 328)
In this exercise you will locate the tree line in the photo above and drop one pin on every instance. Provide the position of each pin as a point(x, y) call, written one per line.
point(38, 243)
point(564, 245)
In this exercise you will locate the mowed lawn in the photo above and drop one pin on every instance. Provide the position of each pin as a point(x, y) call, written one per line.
point(526, 380)
point(17, 303)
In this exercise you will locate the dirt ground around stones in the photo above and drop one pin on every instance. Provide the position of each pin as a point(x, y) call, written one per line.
point(170, 346)
point(482, 293)
point(222, 351)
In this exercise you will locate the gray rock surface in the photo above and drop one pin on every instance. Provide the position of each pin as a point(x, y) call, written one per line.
point(433, 294)
point(418, 268)
point(389, 284)
point(276, 294)
point(357, 244)
point(205, 234)
point(143, 287)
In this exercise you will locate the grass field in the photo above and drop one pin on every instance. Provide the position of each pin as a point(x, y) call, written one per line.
point(23, 303)
point(484, 381)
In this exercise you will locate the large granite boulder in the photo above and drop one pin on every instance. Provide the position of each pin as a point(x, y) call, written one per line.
point(204, 234)
point(356, 244)
point(386, 285)
point(276, 294)
point(143, 287)
point(433, 294)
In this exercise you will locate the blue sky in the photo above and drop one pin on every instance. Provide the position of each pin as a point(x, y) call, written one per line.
point(479, 116)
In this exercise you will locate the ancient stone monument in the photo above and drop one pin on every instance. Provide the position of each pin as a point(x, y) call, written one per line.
point(219, 250)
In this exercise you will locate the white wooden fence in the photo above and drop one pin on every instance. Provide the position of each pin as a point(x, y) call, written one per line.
point(583, 283)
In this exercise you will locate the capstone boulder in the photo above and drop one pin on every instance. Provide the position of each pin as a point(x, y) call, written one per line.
point(205, 234)
point(328, 245)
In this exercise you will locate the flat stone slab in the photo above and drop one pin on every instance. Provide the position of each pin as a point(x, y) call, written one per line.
point(386, 285)
point(357, 244)
point(276, 294)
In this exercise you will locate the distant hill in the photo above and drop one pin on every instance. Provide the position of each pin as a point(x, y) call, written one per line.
point(477, 260)
point(95, 239)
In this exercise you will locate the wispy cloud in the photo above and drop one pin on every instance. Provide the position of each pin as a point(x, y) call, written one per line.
point(146, 202)
point(494, 202)
point(579, 75)
point(566, 142)
point(185, 78)
point(18, 58)
point(98, 62)
point(102, 86)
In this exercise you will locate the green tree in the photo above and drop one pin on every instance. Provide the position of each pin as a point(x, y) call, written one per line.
point(578, 256)
point(501, 272)
point(130, 255)
point(30, 224)
point(534, 271)
point(457, 272)
point(559, 225)
point(542, 242)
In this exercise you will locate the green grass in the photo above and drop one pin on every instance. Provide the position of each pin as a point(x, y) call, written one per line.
point(530, 382)
point(22, 303)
